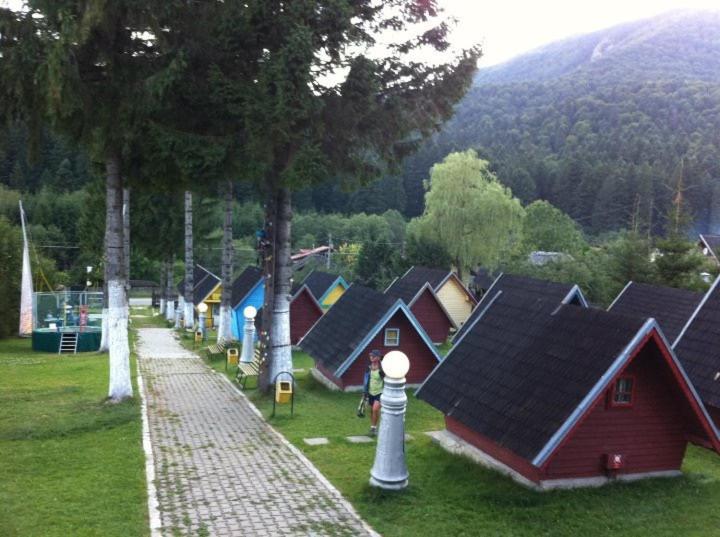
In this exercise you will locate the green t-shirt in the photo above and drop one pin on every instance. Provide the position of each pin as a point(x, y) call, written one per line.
point(376, 382)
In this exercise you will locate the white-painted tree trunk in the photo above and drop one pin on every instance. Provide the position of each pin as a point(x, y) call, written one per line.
point(120, 383)
point(280, 346)
point(224, 332)
point(189, 264)
point(104, 344)
point(170, 305)
point(188, 315)
point(225, 325)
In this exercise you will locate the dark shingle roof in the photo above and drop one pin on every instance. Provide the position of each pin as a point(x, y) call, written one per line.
point(482, 279)
point(520, 286)
point(520, 372)
point(319, 282)
point(199, 274)
point(204, 282)
point(699, 347)
point(433, 276)
point(244, 283)
point(204, 287)
point(338, 333)
point(670, 307)
point(405, 288)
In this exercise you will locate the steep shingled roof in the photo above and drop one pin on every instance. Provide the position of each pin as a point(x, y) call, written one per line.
point(670, 307)
point(204, 282)
point(319, 282)
point(521, 371)
point(338, 333)
point(245, 283)
point(698, 346)
point(433, 276)
point(199, 274)
point(528, 288)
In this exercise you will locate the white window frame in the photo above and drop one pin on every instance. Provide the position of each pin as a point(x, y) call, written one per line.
point(388, 343)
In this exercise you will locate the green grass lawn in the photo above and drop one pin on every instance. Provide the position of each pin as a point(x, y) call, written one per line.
point(450, 495)
point(70, 464)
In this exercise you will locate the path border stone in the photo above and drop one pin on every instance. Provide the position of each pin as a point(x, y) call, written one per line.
point(153, 502)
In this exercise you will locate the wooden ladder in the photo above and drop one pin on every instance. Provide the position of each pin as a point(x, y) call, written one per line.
point(68, 343)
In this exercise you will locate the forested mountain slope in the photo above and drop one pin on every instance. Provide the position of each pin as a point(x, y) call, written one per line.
point(601, 125)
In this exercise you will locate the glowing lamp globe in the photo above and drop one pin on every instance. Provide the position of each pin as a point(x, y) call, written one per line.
point(202, 307)
point(250, 311)
point(396, 364)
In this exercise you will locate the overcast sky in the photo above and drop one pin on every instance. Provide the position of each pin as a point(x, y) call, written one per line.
point(510, 27)
point(507, 28)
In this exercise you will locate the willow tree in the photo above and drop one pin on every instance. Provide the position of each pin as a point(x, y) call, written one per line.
point(89, 64)
point(469, 212)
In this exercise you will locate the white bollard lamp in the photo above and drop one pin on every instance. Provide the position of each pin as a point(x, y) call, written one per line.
point(248, 342)
point(389, 470)
point(202, 310)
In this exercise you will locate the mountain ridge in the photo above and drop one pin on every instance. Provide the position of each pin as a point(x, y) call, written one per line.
point(594, 136)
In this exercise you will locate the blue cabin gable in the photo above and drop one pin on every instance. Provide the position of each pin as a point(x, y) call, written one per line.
point(254, 298)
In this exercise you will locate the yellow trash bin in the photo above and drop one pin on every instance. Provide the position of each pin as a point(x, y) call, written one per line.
point(232, 356)
point(198, 336)
point(283, 391)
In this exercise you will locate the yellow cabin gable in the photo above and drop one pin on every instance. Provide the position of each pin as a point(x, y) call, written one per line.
point(456, 301)
point(333, 296)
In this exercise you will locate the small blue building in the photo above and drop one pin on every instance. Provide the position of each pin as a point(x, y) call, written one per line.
point(247, 290)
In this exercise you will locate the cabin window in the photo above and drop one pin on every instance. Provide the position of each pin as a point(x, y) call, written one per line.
point(622, 394)
point(392, 337)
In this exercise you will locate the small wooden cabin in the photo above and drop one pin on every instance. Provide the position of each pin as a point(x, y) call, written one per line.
point(248, 290)
point(670, 307)
point(528, 288)
point(698, 348)
point(360, 321)
point(567, 397)
point(326, 288)
point(206, 289)
point(420, 297)
point(305, 311)
point(457, 300)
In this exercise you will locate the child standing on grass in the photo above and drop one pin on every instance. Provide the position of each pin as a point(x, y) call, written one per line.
point(373, 387)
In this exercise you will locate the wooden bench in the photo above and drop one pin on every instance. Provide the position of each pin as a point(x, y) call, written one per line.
point(214, 350)
point(252, 369)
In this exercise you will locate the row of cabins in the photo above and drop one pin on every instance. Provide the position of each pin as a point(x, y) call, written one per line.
point(540, 385)
point(557, 394)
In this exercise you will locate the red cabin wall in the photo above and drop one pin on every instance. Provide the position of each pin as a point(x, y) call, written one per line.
point(499, 453)
point(422, 360)
point(329, 375)
point(431, 317)
point(651, 434)
point(303, 314)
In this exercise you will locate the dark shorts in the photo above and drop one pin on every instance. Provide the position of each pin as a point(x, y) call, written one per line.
point(373, 398)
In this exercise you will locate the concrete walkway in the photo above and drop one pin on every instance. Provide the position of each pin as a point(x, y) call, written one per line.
point(220, 469)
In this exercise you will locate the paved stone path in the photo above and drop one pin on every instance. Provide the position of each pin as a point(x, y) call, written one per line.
point(220, 469)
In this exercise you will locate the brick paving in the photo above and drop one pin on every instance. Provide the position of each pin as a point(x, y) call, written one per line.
point(220, 469)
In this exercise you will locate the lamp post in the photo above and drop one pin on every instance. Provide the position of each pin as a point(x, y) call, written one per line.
point(248, 343)
point(202, 310)
point(389, 470)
